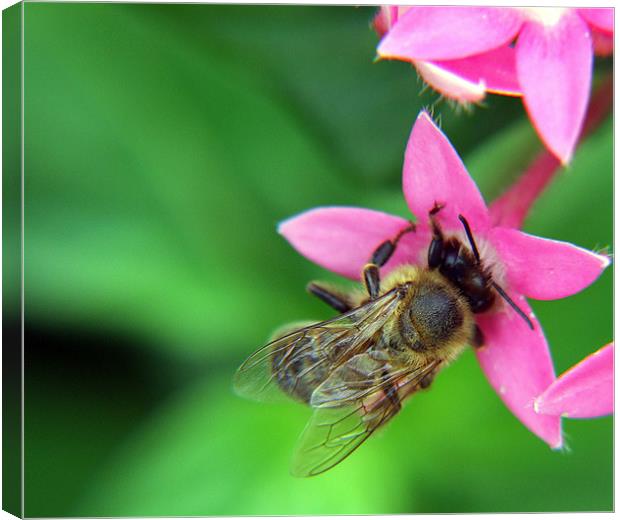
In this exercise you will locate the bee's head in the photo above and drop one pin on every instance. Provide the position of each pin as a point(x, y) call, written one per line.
point(466, 271)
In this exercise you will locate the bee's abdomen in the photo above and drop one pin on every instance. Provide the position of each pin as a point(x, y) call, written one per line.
point(302, 373)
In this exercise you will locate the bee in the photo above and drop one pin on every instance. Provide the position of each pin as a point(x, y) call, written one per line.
point(389, 341)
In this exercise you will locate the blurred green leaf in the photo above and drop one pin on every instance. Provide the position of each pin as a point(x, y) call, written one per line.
point(319, 63)
point(423, 461)
point(206, 467)
point(168, 195)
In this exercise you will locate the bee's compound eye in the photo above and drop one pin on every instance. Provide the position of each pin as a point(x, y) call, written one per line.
point(436, 314)
point(477, 283)
point(477, 292)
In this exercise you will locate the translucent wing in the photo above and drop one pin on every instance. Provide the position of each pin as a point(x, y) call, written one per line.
point(301, 360)
point(333, 433)
point(361, 376)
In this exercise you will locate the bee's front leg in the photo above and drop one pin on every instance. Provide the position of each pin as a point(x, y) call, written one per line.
point(477, 340)
point(436, 248)
point(380, 256)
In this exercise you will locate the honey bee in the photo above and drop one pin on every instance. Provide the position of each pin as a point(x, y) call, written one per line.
point(390, 340)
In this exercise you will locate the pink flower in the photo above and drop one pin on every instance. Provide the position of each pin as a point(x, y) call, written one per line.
point(515, 359)
point(466, 80)
point(586, 390)
point(552, 55)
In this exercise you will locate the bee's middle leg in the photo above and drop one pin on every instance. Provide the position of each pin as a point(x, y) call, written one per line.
point(380, 256)
point(330, 296)
point(390, 391)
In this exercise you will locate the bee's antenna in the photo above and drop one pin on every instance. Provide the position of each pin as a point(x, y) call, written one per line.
point(501, 291)
point(503, 294)
point(470, 237)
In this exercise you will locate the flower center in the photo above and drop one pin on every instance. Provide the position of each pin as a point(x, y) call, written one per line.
point(544, 15)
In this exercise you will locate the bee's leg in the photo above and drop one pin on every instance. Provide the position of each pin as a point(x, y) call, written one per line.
point(391, 393)
point(372, 280)
point(436, 248)
point(386, 249)
point(437, 207)
point(477, 340)
point(380, 256)
point(329, 296)
point(427, 380)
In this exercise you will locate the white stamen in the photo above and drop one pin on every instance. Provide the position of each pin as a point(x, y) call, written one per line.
point(547, 16)
point(451, 85)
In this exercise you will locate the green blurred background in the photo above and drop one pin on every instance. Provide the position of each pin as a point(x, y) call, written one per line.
point(163, 145)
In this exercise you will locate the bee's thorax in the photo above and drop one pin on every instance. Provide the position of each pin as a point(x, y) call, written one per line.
point(435, 319)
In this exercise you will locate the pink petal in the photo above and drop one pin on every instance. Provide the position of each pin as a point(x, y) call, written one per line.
point(343, 239)
point(554, 66)
point(433, 172)
point(602, 18)
point(545, 269)
point(603, 43)
point(586, 390)
point(445, 33)
point(385, 18)
point(517, 363)
point(494, 71)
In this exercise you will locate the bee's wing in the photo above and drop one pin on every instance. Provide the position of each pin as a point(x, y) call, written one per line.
point(360, 377)
point(333, 433)
point(320, 348)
